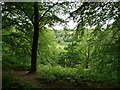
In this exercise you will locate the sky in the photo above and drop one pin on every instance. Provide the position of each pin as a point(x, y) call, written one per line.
point(71, 24)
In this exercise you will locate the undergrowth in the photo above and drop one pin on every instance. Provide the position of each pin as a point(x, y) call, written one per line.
point(10, 81)
point(75, 75)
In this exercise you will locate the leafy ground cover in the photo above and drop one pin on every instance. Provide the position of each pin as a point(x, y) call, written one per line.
point(52, 77)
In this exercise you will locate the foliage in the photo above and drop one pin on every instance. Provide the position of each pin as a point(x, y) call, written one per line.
point(52, 73)
point(76, 75)
point(9, 81)
point(87, 53)
point(14, 64)
point(48, 51)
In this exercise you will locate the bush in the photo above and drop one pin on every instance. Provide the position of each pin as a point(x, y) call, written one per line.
point(76, 75)
point(51, 73)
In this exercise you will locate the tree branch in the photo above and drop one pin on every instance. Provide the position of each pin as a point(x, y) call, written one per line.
point(24, 12)
point(48, 10)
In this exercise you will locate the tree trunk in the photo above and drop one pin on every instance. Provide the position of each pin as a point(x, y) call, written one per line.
point(35, 40)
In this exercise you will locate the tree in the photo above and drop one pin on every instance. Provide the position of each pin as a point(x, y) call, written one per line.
point(35, 39)
point(26, 17)
point(22, 19)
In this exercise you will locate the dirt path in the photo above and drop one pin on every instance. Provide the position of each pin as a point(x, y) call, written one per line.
point(34, 79)
point(30, 78)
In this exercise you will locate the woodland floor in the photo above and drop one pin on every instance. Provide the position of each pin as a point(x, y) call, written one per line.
point(35, 79)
